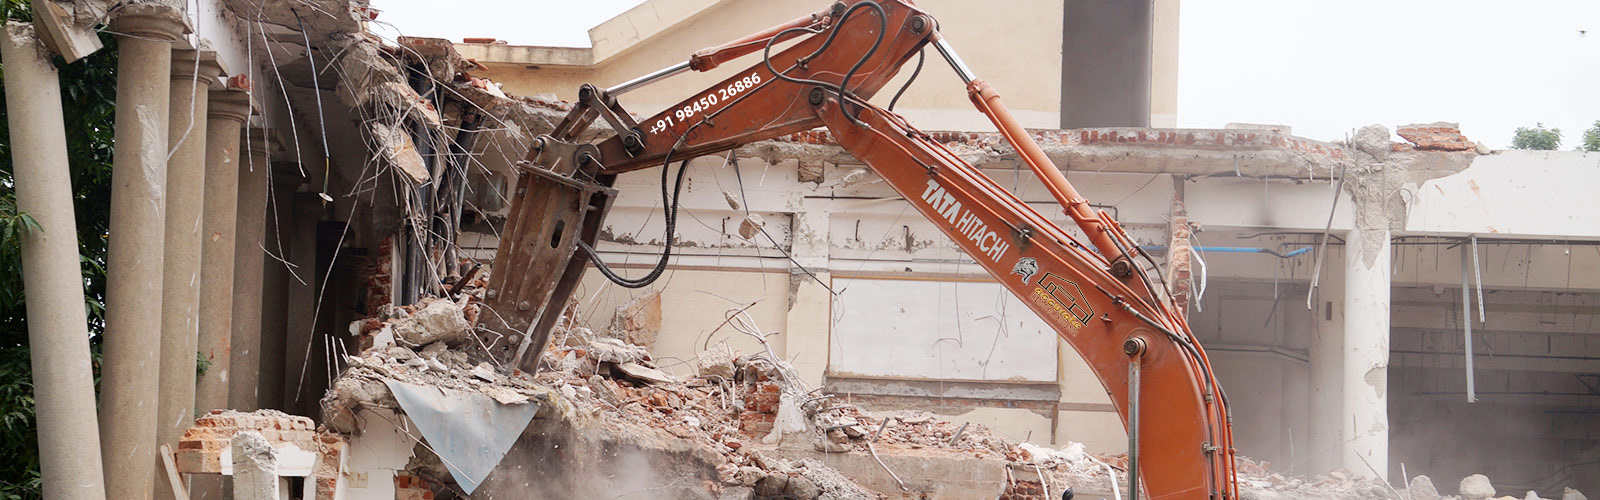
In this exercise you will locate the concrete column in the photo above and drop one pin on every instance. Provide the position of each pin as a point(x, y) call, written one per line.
point(58, 327)
point(255, 467)
point(225, 116)
point(1366, 352)
point(180, 280)
point(132, 359)
point(809, 322)
point(1106, 63)
point(1326, 433)
point(276, 282)
point(303, 347)
point(250, 220)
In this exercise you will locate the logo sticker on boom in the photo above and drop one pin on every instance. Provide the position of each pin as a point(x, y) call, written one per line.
point(1026, 267)
point(1056, 295)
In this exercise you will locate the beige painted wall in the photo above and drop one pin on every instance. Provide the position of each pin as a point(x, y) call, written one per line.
point(693, 304)
point(1017, 49)
point(1164, 65)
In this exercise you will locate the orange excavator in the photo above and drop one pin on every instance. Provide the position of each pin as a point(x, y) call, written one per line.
point(1095, 293)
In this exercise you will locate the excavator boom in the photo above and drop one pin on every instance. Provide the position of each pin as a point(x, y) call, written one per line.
point(1093, 293)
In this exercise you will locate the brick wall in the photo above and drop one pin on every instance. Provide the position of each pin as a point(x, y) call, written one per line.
point(379, 281)
point(200, 448)
point(760, 404)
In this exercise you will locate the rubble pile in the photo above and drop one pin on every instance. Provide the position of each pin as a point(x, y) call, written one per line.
point(747, 425)
point(1257, 482)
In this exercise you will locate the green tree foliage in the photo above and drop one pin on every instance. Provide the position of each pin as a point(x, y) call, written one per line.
point(1536, 138)
point(1591, 138)
point(88, 95)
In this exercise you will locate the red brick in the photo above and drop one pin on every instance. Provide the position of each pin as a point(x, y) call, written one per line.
point(1436, 137)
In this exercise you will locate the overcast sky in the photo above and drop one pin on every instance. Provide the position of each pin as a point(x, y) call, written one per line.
point(1325, 68)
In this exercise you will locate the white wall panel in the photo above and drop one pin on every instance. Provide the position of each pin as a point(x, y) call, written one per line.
point(938, 330)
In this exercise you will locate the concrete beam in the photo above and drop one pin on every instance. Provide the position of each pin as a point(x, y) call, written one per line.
point(63, 33)
point(134, 275)
point(58, 333)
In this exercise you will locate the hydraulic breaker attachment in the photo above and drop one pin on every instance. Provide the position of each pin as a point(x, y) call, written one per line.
point(558, 202)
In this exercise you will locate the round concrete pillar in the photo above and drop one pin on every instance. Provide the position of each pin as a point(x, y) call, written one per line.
point(58, 328)
point(193, 73)
point(132, 359)
point(250, 218)
point(225, 117)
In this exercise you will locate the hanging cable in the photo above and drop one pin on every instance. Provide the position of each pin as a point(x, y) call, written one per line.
point(670, 203)
point(921, 55)
point(839, 88)
point(670, 206)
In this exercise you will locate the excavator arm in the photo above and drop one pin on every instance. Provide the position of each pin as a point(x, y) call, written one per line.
point(1106, 306)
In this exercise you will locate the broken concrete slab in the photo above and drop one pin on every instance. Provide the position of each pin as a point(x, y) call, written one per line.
point(646, 373)
point(393, 144)
point(438, 321)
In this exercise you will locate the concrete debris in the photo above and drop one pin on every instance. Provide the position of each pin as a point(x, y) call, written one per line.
point(436, 321)
point(1476, 487)
point(716, 362)
point(733, 201)
point(645, 373)
point(1438, 136)
point(1373, 140)
point(751, 225)
point(393, 144)
point(255, 467)
point(742, 426)
point(852, 178)
point(1532, 495)
point(608, 350)
point(1421, 488)
point(638, 321)
point(1572, 494)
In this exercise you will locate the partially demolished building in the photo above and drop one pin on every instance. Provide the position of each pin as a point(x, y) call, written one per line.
point(1377, 309)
